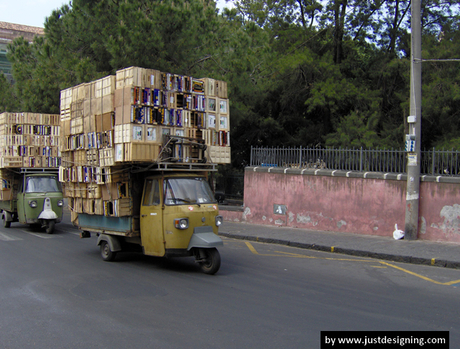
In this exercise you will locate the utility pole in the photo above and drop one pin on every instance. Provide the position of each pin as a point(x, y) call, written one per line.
point(413, 138)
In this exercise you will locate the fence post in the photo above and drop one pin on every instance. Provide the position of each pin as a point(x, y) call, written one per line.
point(361, 159)
point(433, 161)
point(250, 158)
point(300, 157)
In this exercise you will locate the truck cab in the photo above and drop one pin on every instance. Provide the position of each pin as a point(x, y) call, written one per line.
point(184, 206)
point(38, 200)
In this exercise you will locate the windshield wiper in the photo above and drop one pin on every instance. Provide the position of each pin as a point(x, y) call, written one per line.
point(187, 201)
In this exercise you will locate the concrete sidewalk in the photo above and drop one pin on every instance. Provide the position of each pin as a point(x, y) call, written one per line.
point(440, 254)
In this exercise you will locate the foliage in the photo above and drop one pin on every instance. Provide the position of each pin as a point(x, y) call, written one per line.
point(300, 72)
point(8, 101)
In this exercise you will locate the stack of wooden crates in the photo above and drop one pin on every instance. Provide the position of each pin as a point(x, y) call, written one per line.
point(120, 120)
point(27, 140)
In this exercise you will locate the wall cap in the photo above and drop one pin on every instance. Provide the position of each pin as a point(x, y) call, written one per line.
point(350, 174)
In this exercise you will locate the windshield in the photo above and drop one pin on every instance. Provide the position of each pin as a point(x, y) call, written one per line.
point(183, 191)
point(42, 184)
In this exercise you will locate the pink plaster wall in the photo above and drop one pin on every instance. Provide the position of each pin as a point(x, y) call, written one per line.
point(439, 212)
point(351, 205)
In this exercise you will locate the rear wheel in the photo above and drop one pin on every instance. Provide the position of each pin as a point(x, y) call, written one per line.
point(209, 260)
point(106, 253)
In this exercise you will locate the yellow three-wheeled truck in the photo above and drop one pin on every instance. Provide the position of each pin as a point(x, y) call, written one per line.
point(174, 214)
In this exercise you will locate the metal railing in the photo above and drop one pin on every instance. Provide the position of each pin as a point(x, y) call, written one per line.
point(433, 162)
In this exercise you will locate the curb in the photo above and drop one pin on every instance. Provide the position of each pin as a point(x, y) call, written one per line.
point(351, 252)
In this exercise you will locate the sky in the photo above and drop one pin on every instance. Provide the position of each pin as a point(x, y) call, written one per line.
point(34, 12)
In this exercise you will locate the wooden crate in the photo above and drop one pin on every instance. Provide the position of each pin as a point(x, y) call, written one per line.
point(11, 161)
point(198, 86)
point(103, 175)
point(98, 207)
point(211, 104)
point(65, 101)
point(141, 77)
point(119, 174)
point(94, 191)
point(74, 217)
point(67, 158)
point(223, 106)
point(7, 194)
point(123, 207)
point(129, 133)
point(103, 87)
point(211, 120)
point(80, 92)
point(198, 102)
point(221, 89)
point(92, 157)
point(78, 205)
point(76, 126)
point(220, 155)
point(209, 86)
point(89, 206)
point(141, 152)
point(106, 157)
point(79, 157)
point(69, 189)
point(80, 190)
point(102, 105)
point(223, 123)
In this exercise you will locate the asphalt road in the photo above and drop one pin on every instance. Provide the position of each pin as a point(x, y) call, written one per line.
point(56, 292)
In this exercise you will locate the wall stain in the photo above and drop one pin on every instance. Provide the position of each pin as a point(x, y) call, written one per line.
point(247, 212)
point(303, 219)
point(423, 226)
point(451, 224)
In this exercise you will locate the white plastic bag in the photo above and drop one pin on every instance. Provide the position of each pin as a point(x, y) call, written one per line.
point(398, 234)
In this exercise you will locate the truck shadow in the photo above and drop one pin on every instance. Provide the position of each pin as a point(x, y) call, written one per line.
point(186, 264)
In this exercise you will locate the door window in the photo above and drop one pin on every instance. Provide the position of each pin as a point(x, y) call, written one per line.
point(151, 193)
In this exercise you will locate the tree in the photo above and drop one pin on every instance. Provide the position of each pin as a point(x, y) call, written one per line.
point(8, 100)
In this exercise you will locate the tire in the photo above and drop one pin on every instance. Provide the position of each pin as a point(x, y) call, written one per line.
point(6, 223)
point(106, 253)
point(212, 260)
point(49, 226)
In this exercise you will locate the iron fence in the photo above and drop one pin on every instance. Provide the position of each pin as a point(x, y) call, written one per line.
point(433, 162)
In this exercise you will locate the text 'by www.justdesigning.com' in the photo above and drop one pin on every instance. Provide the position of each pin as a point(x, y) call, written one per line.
point(385, 339)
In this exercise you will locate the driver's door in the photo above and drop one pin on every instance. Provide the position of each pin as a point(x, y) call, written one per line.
point(21, 202)
point(151, 220)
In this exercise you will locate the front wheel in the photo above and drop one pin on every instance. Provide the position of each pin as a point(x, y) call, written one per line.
point(106, 253)
point(209, 260)
point(49, 226)
point(6, 223)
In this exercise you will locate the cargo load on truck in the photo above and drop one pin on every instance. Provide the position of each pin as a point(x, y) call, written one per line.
point(138, 117)
point(30, 191)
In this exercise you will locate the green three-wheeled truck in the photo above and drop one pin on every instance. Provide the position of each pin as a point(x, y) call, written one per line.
point(33, 196)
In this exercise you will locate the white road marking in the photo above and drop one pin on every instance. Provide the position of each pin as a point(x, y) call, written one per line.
point(6, 237)
point(43, 235)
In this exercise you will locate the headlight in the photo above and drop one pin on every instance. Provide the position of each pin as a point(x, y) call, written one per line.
point(60, 203)
point(181, 223)
point(219, 220)
point(33, 203)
